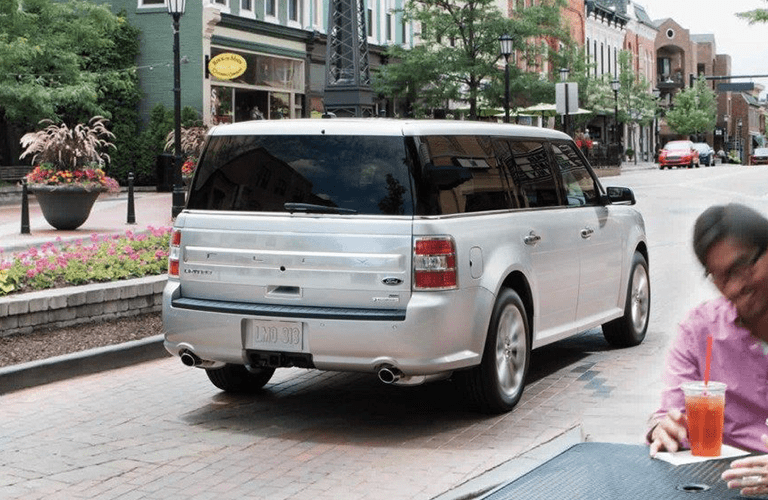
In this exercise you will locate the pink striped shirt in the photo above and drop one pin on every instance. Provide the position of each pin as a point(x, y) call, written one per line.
point(738, 359)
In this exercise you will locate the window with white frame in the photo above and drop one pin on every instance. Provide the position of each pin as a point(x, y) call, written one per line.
point(246, 8)
point(317, 11)
point(222, 4)
point(270, 10)
point(295, 14)
point(369, 22)
point(151, 3)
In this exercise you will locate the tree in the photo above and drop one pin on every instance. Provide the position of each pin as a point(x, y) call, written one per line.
point(47, 51)
point(694, 110)
point(67, 61)
point(458, 54)
point(755, 15)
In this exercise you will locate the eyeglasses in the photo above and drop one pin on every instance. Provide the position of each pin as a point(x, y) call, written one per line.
point(739, 270)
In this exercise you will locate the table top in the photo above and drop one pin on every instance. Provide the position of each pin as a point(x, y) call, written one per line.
point(607, 471)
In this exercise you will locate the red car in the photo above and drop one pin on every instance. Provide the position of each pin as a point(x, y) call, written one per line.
point(678, 154)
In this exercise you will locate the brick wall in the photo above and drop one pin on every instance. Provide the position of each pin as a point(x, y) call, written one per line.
point(62, 307)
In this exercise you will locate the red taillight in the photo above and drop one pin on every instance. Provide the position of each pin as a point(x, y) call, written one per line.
point(434, 263)
point(173, 254)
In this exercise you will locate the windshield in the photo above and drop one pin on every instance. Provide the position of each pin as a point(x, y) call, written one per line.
point(304, 174)
point(678, 145)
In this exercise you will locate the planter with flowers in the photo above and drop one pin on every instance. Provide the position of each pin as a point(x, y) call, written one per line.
point(68, 177)
point(192, 140)
point(188, 169)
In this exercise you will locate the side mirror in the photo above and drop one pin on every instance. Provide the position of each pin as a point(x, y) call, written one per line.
point(621, 195)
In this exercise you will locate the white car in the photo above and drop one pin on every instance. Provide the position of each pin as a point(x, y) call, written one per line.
point(706, 153)
point(415, 250)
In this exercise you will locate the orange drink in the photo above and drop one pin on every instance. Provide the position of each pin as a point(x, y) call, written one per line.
point(704, 406)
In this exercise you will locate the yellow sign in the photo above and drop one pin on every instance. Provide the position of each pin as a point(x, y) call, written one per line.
point(227, 66)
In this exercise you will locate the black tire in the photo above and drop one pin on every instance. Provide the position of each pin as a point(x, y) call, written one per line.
point(629, 330)
point(237, 379)
point(497, 384)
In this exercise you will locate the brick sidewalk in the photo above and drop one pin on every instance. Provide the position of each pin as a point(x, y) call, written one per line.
point(108, 216)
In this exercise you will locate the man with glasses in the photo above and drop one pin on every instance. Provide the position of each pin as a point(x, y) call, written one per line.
point(730, 241)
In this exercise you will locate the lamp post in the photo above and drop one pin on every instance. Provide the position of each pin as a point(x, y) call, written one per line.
point(564, 72)
point(505, 41)
point(615, 86)
point(176, 10)
point(740, 142)
point(656, 93)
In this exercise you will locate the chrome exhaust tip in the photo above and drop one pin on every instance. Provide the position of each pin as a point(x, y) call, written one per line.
point(188, 358)
point(389, 374)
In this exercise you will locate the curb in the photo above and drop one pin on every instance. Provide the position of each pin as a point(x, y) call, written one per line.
point(90, 361)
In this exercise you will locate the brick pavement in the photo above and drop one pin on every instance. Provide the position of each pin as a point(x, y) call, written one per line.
point(108, 216)
point(160, 430)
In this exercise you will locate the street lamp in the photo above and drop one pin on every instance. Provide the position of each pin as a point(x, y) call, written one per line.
point(176, 10)
point(615, 86)
point(564, 72)
point(505, 41)
point(656, 93)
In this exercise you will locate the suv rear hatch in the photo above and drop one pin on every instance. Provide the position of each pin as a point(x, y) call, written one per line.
point(300, 221)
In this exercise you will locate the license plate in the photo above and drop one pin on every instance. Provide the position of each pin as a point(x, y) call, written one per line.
point(274, 335)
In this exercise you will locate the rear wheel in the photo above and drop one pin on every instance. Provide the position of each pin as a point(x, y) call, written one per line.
point(496, 385)
point(629, 330)
point(236, 378)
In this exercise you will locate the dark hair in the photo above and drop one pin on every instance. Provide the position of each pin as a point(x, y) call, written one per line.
point(735, 221)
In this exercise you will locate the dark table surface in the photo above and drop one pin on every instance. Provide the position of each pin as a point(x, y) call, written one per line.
point(608, 471)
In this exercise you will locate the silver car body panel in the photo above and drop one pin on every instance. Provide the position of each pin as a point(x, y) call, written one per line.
point(345, 281)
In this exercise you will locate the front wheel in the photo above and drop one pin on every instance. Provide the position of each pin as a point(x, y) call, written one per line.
point(496, 385)
point(629, 330)
point(237, 378)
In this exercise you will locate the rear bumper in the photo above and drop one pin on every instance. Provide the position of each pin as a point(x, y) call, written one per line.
point(438, 332)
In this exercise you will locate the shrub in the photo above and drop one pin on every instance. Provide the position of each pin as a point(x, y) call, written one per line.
point(99, 259)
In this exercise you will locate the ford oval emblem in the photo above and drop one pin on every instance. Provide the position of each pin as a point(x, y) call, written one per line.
point(392, 281)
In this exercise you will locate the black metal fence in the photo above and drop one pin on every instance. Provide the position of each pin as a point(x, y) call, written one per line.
point(605, 155)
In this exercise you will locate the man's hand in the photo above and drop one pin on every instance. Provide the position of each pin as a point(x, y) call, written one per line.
point(669, 433)
point(750, 474)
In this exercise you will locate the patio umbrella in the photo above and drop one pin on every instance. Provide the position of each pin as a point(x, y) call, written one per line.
point(546, 109)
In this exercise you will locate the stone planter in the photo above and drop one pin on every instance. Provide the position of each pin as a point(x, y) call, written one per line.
point(66, 207)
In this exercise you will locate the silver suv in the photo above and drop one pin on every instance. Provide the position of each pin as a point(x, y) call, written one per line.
point(415, 250)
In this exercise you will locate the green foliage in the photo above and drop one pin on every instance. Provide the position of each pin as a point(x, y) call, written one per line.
point(459, 52)
point(48, 52)
point(755, 15)
point(693, 109)
point(100, 259)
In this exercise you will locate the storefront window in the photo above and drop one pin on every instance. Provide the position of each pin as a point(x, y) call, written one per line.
point(270, 88)
point(221, 104)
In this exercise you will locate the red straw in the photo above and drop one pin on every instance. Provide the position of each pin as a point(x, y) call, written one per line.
point(708, 360)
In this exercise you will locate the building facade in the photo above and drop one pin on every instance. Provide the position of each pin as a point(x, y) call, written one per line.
point(282, 42)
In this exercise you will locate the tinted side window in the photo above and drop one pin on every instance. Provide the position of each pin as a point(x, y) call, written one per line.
point(360, 174)
point(578, 184)
point(460, 174)
point(535, 182)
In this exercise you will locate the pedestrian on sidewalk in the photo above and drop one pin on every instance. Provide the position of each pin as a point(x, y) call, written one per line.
point(730, 241)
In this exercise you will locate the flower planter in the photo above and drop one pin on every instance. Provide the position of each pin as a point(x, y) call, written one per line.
point(66, 207)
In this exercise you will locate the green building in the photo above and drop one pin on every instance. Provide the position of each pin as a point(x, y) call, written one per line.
point(281, 42)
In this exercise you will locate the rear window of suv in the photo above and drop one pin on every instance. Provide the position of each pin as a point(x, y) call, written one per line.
point(365, 175)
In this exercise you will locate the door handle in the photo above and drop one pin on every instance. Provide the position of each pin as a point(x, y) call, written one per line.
point(587, 232)
point(532, 238)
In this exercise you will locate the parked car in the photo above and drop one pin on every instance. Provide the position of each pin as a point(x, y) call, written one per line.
point(678, 154)
point(759, 157)
point(706, 153)
point(414, 250)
